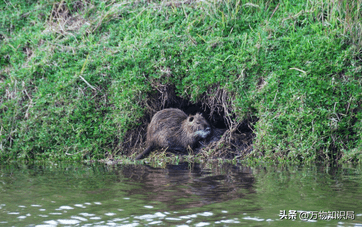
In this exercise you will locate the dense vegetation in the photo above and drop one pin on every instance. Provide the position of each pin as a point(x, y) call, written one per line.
point(74, 75)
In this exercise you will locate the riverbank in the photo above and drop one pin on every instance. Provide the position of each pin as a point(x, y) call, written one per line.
point(82, 79)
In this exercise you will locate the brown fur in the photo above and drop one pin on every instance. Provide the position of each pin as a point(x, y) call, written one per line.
point(172, 128)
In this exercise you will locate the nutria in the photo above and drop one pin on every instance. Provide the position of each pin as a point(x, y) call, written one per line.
point(172, 128)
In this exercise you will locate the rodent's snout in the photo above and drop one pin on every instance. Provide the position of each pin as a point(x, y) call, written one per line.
point(203, 133)
point(207, 131)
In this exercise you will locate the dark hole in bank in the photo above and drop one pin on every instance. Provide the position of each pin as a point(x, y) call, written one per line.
point(225, 141)
point(216, 119)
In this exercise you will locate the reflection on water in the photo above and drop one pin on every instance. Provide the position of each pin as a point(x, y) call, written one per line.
point(189, 182)
point(180, 195)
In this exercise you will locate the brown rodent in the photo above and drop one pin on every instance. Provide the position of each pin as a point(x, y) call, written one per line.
point(172, 128)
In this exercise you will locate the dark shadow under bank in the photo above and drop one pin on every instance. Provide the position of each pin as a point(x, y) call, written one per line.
point(230, 138)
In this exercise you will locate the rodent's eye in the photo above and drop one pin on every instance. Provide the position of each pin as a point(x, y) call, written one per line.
point(191, 119)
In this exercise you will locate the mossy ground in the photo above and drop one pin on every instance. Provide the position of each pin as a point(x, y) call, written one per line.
point(80, 79)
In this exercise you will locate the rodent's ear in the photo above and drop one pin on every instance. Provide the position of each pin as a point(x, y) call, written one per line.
point(191, 118)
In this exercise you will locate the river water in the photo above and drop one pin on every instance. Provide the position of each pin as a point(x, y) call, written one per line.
point(179, 195)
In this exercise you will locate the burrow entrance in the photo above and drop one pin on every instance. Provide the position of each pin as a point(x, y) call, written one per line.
point(230, 138)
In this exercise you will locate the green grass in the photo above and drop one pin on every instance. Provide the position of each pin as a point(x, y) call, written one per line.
point(75, 78)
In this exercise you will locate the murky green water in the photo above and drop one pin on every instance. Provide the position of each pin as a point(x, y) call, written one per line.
point(179, 195)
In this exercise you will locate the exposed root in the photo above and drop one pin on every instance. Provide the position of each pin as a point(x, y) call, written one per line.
point(230, 145)
point(219, 101)
point(163, 98)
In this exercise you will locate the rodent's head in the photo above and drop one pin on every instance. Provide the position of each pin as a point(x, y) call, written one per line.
point(199, 126)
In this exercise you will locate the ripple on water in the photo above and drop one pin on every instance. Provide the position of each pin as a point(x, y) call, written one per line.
point(228, 221)
point(65, 208)
point(173, 219)
point(51, 222)
point(95, 218)
point(120, 219)
point(253, 218)
point(188, 216)
point(155, 222)
point(151, 216)
point(86, 214)
point(13, 213)
point(205, 214)
point(79, 218)
point(202, 224)
point(68, 221)
point(130, 225)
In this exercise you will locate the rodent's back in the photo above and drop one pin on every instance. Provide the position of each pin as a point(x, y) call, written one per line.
point(165, 126)
point(172, 128)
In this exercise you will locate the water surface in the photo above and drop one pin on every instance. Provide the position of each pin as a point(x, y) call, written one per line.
point(179, 195)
